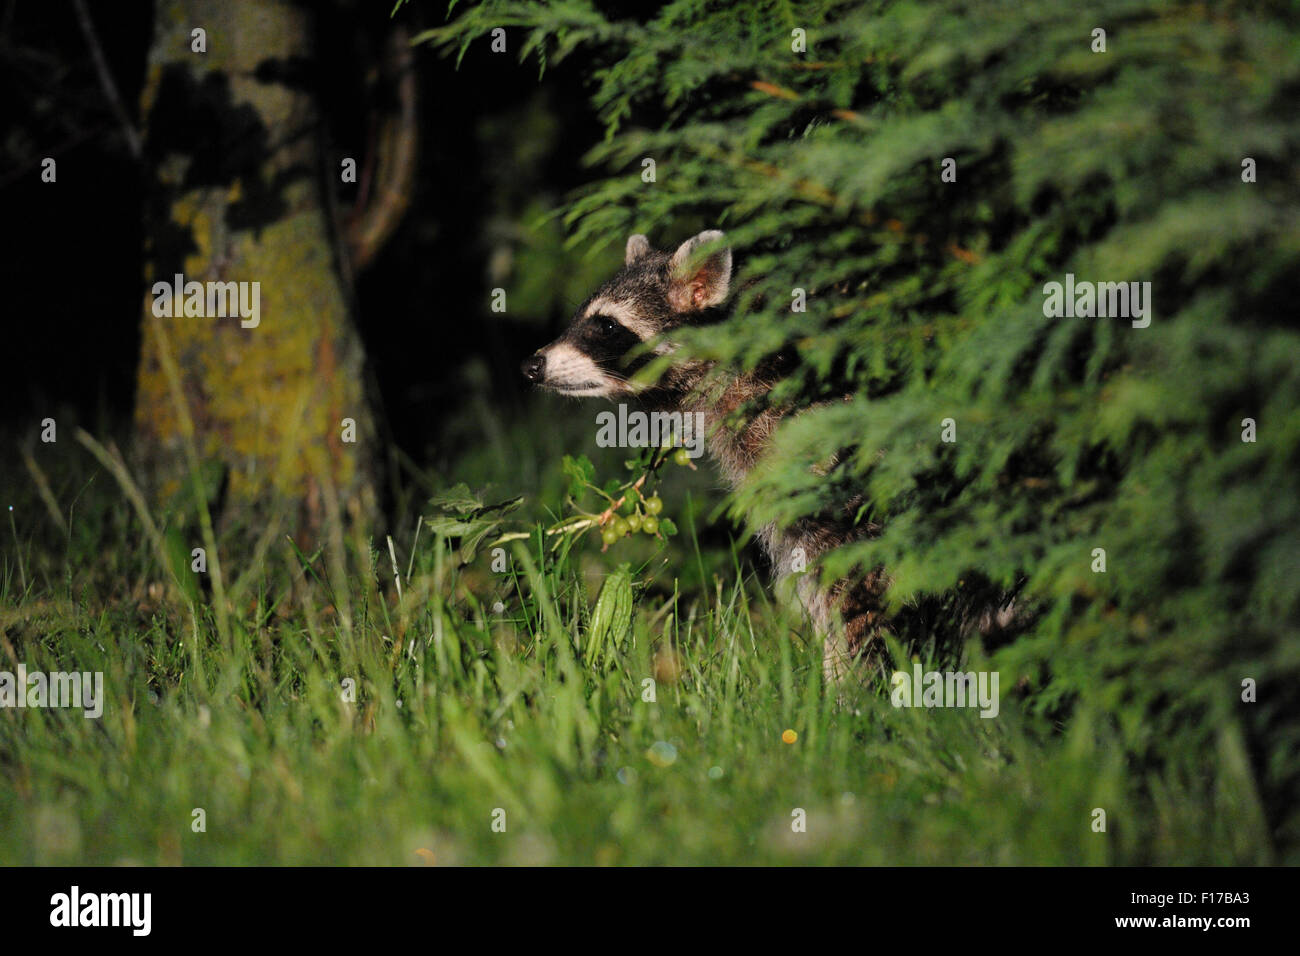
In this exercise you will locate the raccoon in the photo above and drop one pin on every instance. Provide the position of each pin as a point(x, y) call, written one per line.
point(655, 293)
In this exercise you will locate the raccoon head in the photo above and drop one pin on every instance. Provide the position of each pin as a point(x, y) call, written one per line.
point(654, 293)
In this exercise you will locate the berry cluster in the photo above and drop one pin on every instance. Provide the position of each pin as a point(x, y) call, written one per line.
point(639, 514)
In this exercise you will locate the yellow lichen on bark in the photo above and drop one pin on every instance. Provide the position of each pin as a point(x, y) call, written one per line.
point(267, 402)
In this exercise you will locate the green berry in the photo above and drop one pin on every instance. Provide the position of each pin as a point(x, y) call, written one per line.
point(609, 536)
point(620, 526)
point(654, 505)
point(681, 457)
point(634, 523)
point(650, 524)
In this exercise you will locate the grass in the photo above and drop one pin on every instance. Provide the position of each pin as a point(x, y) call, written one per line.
point(461, 714)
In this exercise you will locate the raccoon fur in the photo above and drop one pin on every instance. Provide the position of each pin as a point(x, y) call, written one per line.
point(655, 293)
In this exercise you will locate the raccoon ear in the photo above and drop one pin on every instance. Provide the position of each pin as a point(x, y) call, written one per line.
point(699, 282)
point(637, 246)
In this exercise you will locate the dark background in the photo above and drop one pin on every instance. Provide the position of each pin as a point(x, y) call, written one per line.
point(72, 272)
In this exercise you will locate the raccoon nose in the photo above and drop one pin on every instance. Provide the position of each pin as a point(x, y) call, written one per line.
point(533, 366)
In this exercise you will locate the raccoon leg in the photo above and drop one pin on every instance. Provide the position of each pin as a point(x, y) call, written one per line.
point(837, 662)
point(997, 618)
point(848, 615)
point(859, 603)
point(849, 618)
point(819, 603)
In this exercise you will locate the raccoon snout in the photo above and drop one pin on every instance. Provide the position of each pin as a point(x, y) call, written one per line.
point(534, 367)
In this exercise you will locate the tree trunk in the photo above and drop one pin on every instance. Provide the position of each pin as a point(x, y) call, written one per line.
point(249, 408)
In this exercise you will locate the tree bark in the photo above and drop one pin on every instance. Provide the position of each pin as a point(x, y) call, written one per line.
point(254, 415)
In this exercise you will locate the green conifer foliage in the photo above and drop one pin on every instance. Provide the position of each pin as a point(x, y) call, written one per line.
point(1162, 152)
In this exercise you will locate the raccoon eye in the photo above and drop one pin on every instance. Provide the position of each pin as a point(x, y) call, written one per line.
point(605, 325)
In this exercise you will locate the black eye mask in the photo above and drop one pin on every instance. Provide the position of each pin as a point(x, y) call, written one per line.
point(606, 341)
